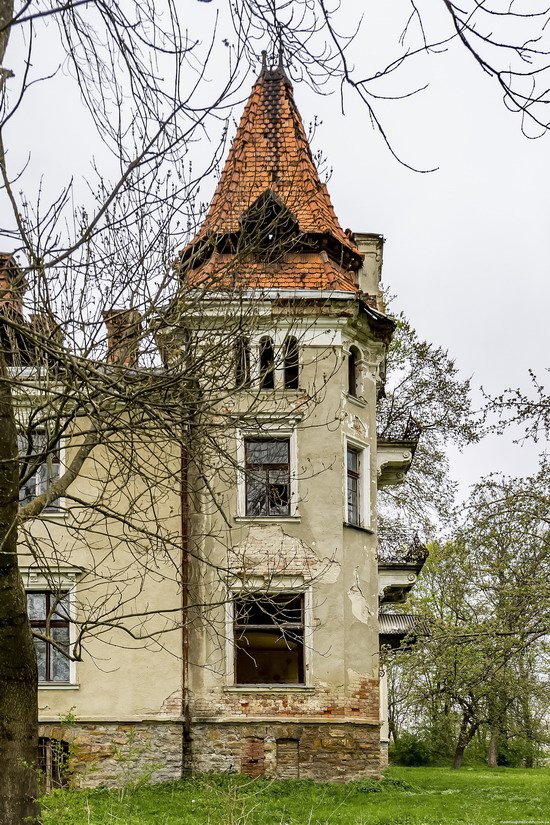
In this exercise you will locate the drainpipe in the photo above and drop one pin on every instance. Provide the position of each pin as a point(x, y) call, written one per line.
point(184, 508)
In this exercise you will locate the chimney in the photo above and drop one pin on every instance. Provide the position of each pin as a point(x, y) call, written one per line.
point(123, 332)
point(12, 285)
point(372, 247)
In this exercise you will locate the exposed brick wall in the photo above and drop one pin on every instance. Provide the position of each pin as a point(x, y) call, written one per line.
point(360, 701)
point(325, 751)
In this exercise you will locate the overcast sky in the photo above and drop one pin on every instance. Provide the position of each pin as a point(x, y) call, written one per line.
point(467, 250)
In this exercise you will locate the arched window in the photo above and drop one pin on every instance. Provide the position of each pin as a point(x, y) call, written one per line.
point(267, 364)
point(353, 374)
point(242, 362)
point(291, 363)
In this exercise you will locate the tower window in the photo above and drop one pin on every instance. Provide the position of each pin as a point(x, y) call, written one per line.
point(242, 362)
point(353, 485)
point(267, 477)
point(291, 363)
point(267, 364)
point(353, 358)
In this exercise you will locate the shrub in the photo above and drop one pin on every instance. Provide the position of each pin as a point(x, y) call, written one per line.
point(411, 750)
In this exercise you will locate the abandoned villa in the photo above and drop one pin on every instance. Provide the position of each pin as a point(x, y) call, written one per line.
point(249, 639)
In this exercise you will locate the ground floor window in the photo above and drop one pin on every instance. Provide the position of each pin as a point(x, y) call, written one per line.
point(49, 618)
point(269, 639)
point(53, 758)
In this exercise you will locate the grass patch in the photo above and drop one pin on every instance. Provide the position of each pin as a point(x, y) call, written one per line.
point(406, 796)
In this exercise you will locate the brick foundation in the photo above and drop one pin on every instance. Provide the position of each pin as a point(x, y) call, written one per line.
point(323, 751)
point(119, 754)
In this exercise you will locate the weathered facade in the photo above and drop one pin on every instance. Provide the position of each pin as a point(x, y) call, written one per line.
point(273, 669)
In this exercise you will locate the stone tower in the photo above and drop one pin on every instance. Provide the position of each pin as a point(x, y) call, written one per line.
point(282, 673)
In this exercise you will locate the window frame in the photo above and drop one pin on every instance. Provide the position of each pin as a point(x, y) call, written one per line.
point(362, 475)
point(38, 482)
point(269, 432)
point(276, 586)
point(64, 582)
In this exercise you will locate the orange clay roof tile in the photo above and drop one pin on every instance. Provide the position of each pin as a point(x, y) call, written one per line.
point(270, 151)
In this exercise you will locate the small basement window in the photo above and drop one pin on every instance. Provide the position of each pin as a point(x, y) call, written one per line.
point(53, 760)
point(269, 639)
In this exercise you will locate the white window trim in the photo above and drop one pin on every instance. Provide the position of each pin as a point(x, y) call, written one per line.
point(268, 430)
point(65, 578)
point(56, 509)
point(363, 449)
point(266, 586)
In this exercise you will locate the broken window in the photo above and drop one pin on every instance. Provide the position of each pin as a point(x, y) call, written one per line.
point(269, 639)
point(242, 362)
point(53, 759)
point(291, 363)
point(49, 616)
point(267, 364)
point(267, 477)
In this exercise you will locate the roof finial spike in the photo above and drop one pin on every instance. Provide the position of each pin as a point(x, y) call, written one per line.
point(264, 60)
point(281, 51)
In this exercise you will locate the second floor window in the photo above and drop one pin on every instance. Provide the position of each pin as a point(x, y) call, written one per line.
point(267, 473)
point(353, 376)
point(49, 617)
point(353, 485)
point(39, 467)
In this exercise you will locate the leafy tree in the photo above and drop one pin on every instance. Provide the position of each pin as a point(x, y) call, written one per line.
point(482, 665)
point(423, 386)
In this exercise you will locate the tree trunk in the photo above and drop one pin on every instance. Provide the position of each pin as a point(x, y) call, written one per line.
point(465, 736)
point(492, 753)
point(18, 673)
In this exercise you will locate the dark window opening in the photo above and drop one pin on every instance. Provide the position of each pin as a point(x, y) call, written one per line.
point(291, 363)
point(242, 362)
point(352, 372)
point(269, 639)
point(267, 477)
point(353, 479)
point(267, 364)
point(53, 759)
point(49, 616)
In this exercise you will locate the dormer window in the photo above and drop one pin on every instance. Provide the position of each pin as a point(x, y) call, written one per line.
point(268, 228)
point(291, 363)
point(267, 364)
point(353, 373)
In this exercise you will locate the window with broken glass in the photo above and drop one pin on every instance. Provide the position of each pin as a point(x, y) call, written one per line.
point(269, 639)
point(39, 467)
point(267, 475)
point(49, 617)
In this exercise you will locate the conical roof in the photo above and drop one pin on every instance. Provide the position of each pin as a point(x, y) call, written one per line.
point(270, 168)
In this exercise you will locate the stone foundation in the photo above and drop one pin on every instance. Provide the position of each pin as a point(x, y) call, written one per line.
point(120, 754)
point(318, 750)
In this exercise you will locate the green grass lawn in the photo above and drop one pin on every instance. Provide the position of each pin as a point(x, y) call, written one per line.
point(407, 796)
